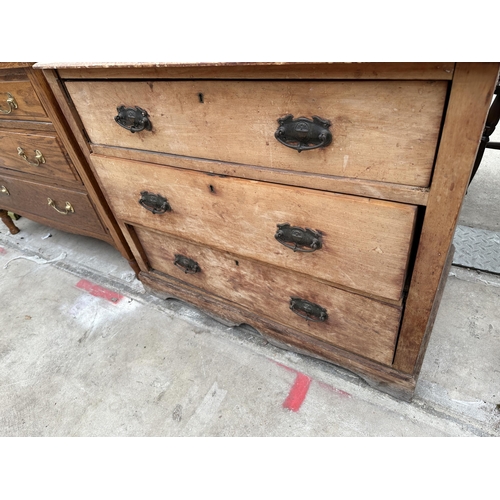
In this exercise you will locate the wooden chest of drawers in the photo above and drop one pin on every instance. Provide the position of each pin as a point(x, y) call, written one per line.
point(43, 174)
point(315, 202)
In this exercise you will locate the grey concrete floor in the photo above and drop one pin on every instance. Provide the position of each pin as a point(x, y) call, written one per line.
point(116, 361)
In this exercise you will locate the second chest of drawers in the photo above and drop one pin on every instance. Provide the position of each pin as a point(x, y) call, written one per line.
point(42, 173)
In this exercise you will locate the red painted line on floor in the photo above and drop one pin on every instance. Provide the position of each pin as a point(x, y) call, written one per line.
point(2, 250)
point(99, 291)
point(298, 392)
point(285, 367)
point(340, 392)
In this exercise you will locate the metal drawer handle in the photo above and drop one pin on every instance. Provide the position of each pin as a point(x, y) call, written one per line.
point(302, 133)
point(134, 119)
point(38, 157)
point(188, 265)
point(298, 239)
point(308, 310)
point(68, 208)
point(4, 190)
point(11, 104)
point(155, 203)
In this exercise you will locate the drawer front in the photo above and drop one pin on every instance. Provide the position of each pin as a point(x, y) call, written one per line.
point(17, 194)
point(381, 130)
point(53, 163)
point(353, 322)
point(25, 104)
point(364, 243)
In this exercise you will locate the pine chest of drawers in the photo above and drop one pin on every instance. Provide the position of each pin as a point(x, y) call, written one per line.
point(314, 202)
point(43, 175)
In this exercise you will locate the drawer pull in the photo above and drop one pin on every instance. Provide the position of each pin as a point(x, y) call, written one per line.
point(68, 208)
point(4, 190)
point(134, 119)
point(298, 239)
point(302, 133)
point(155, 203)
point(38, 157)
point(308, 310)
point(189, 266)
point(11, 105)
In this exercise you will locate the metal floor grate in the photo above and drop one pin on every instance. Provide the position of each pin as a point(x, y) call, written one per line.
point(477, 249)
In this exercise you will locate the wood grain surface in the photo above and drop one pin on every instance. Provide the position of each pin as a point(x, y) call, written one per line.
point(382, 130)
point(31, 198)
point(28, 105)
point(255, 70)
point(470, 99)
point(355, 323)
point(365, 242)
point(411, 195)
point(57, 164)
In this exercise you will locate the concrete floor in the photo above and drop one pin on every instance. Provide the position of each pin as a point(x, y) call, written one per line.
point(79, 360)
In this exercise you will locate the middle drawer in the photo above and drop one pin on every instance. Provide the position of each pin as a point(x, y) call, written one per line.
point(358, 243)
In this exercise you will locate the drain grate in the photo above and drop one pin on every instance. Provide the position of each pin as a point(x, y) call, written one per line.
point(477, 249)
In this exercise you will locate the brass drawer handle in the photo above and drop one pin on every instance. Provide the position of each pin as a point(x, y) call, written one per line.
point(298, 239)
point(11, 104)
point(302, 133)
point(4, 190)
point(308, 310)
point(155, 203)
point(68, 208)
point(189, 266)
point(38, 157)
point(133, 119)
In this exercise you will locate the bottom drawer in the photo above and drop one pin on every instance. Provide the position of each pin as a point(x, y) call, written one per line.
point(346, 320)
point(69, 208)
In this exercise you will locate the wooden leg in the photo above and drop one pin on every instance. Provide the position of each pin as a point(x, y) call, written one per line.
point(8, 222)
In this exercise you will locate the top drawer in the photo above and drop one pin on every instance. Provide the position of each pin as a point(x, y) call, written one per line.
point(381, 130)
point(18, 101)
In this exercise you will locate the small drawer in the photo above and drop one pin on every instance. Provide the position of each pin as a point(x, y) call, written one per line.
point(39, 154)
point(354, 242)
point(18, 101)
point(380, 130)
point(68, 207)
point(358, 324)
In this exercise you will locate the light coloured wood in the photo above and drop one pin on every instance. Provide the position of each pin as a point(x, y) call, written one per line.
point(365, 242)
point(13, 65)
point(57, 164)
point(382, 190)
point(470, 98)
point(28, 105)
point(382, 130)
point(213, 213)
point(340, 71)
point(355, 323)
point(31, 197)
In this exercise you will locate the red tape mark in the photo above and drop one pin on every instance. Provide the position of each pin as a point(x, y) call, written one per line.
point(298, 392)
point(99, 291)
point(2, 251)
point(340, 392)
